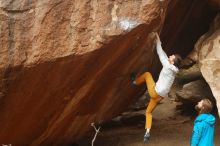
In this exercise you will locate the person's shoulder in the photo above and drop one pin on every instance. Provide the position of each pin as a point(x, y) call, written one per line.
point(173, 68)
point(207, 117)
point(201, 117)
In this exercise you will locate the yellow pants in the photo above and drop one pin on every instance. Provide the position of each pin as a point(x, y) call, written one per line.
point(154, 97)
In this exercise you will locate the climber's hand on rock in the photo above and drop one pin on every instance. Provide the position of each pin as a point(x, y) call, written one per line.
point(157, 36)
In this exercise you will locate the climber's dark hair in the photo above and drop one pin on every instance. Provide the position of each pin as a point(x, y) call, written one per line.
point(177, 60)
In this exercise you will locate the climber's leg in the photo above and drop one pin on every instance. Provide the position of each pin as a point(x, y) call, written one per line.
point(150, 108)
point(148, 79)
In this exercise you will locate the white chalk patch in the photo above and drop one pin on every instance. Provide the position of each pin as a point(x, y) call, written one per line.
point(127, 24)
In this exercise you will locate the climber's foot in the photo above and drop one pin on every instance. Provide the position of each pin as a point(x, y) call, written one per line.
point(133, 77)
point(146, 137)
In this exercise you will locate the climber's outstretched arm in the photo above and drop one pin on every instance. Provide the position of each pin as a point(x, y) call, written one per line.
point(162, 55)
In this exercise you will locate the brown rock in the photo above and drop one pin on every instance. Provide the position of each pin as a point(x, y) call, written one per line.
point(215, 4)
point(194, 91)
point(186, 21)
point(66, 64)
point(185, 76)
point(207, 53)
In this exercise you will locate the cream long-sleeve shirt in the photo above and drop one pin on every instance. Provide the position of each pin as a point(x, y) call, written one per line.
point(167, 74)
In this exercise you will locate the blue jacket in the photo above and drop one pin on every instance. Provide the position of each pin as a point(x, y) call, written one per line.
point(203, 131)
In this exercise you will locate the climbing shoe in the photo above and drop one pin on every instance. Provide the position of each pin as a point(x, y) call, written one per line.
point(133, 76)
point(146, 137)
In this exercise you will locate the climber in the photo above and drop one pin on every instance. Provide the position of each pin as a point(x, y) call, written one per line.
point(203, 131)
point(162, 87)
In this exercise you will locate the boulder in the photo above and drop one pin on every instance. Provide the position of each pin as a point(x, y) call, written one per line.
point(66, 64)
point(185, 76)
point(207, 54)
point(194, 91)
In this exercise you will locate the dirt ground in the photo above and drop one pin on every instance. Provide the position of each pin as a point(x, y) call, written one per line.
point(169, 129)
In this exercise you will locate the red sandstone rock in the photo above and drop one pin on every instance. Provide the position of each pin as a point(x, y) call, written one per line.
point(66, 64)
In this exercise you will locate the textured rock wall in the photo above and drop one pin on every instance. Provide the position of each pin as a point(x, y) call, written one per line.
point(207, 54)
point(66, 64)
point(215, 4)
point(185, 22)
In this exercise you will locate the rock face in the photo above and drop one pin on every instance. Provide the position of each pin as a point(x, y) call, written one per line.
point(186, 21)
point(190, 87)
point(194, 91)
point(207, 54)
point(66, 64)
point(215, 4)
